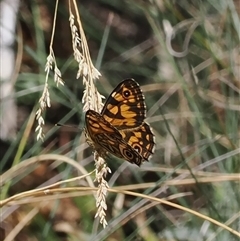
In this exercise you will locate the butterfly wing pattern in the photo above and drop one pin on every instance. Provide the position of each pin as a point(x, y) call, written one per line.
point(125, 107)
point(120, 128)
point(106, 138)
point(142, 140)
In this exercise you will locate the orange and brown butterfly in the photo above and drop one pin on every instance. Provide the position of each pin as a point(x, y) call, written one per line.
point(120, 128)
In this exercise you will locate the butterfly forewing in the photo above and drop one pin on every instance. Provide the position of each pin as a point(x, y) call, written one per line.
point(103, 137)
point(125, 107)
point(96, 124)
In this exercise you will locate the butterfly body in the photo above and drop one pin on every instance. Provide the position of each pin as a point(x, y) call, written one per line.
point(120, 128)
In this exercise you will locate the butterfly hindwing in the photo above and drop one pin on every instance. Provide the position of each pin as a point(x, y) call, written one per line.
point(142, 140)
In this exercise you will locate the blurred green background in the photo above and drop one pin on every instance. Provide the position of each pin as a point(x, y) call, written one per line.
point(186, 57)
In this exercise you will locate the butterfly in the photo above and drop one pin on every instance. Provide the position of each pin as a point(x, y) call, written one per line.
point(120, 128)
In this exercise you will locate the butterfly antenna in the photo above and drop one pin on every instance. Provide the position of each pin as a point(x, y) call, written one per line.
point(69, 126)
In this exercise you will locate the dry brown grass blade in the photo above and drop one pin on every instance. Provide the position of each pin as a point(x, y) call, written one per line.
point(152, 199)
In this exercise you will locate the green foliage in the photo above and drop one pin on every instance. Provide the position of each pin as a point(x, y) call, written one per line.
point(193, 104)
